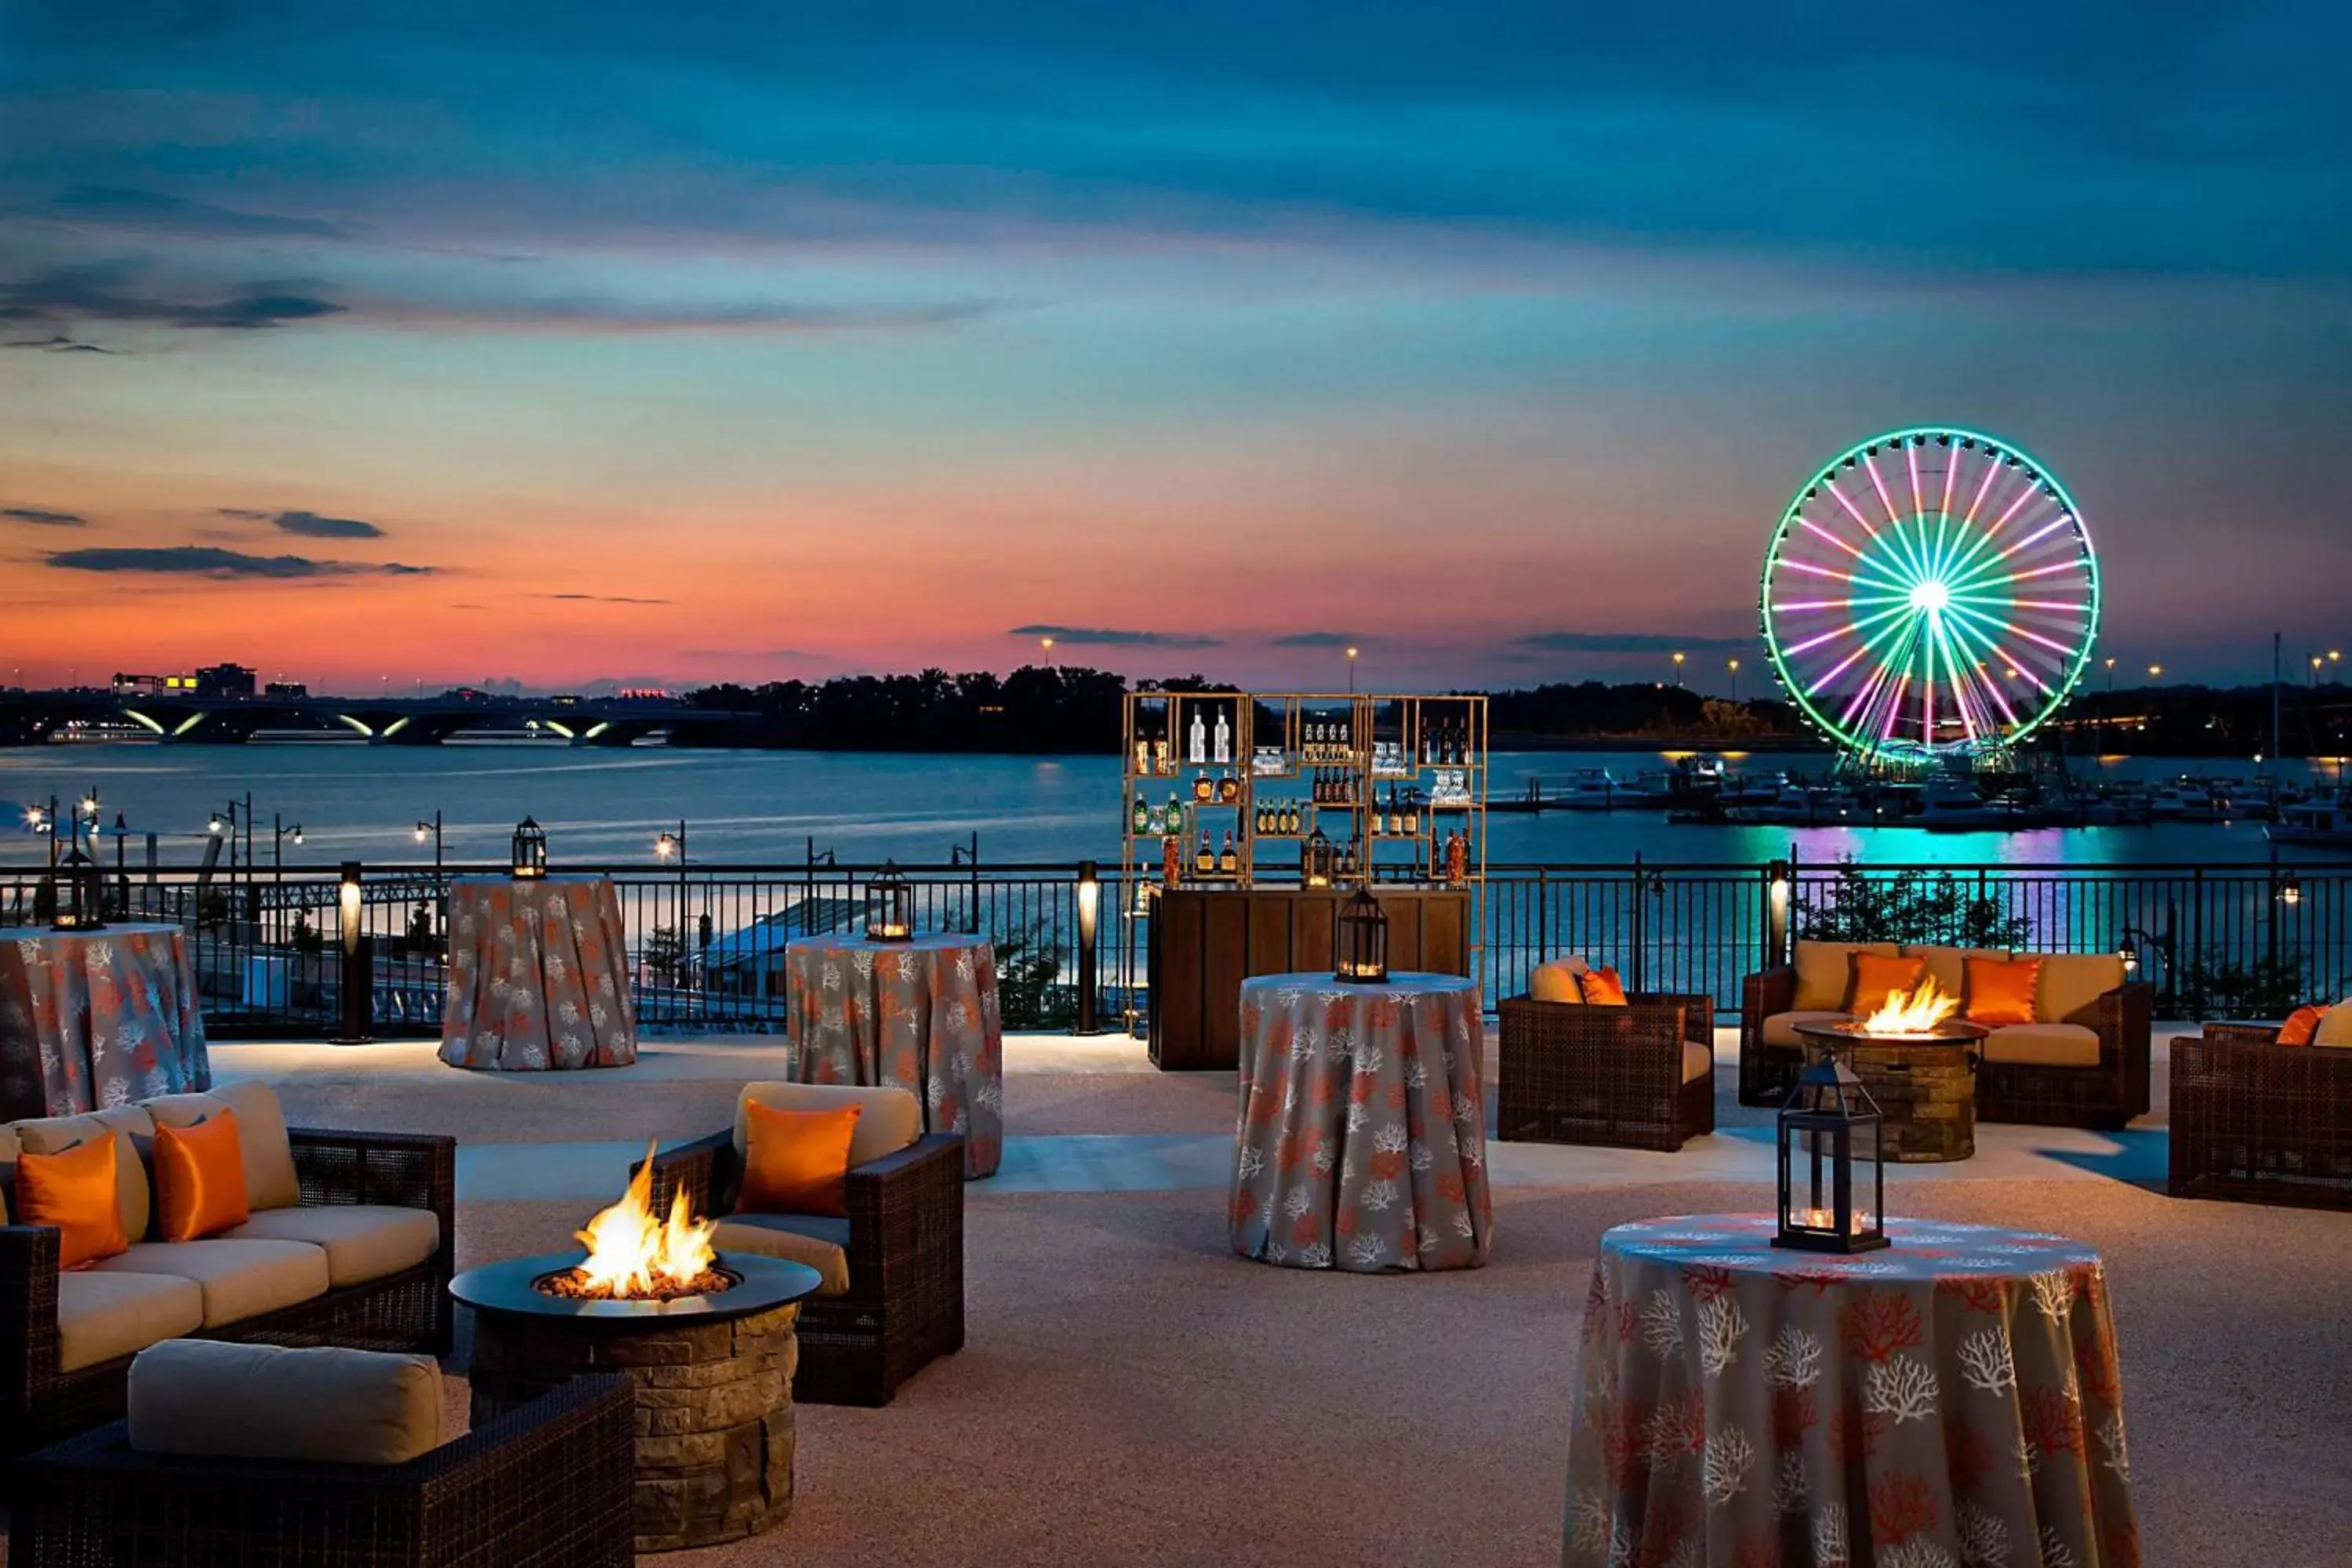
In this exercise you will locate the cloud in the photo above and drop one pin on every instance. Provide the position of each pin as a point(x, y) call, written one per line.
point(1317, 639)
point(1104, 636)
point(56, 343)
point(45, 517)
point(1630, 642)
point(604, 598)
point(154, 210)
point(310, 525)
point(204, 560)
point(250, 515)
point(107, 291)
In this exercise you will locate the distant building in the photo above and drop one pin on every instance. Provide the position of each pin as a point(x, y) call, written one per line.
point(151, 685)
point(229, 681)
point(289, 689)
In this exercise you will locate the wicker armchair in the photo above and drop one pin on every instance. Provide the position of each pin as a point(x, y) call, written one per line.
point(905, 1303)
point(410, 1311)
point(2105, 1096)
point(550, 1483)
point(1579, 1074)
point(2256, 1122)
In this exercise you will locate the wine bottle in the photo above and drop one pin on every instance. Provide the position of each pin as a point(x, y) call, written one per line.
point(1228, 861)
point(1412, 813)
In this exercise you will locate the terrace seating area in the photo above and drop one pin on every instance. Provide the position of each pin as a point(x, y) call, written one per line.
point(1110, 1342)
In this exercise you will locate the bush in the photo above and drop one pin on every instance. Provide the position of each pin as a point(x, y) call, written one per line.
point(1911, 906)
point(1029, 995)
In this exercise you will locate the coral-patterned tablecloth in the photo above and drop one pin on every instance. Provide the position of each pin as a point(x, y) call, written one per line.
point(539, 976)
point(918, 1014)
point(1362, 1142)
point(1953, 1400)
point(97, 1018)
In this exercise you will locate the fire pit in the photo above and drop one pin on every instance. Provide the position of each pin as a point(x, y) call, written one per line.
point(1919, 1063)
point(707, 1338)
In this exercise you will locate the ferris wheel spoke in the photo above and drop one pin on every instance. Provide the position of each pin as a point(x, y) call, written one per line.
point(1833, 538)
point(1985, 647)
point(1839, 496)
point(1870, 467)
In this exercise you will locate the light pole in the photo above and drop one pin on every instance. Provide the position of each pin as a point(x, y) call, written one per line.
point(2111, 676)
point(1351, 671)
point(1734, 665)
point(1678, 668)
point(1047, 644)
point(671, 846)
point(432, 828)
point(280, 832)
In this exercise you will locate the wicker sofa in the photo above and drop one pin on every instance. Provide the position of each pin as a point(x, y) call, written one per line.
point(550, 1483)
point(893, 1297)
point(2083, 1062)
point(1636, 1076)
point(2260, 1122)
point(335, 1253)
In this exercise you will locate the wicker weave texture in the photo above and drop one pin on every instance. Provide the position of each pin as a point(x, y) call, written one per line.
point(1612, 1076)
point(905, 1303)
point(2256, 1122)
point(547, 1486)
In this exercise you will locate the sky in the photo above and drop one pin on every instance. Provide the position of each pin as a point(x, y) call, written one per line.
point(600, 341)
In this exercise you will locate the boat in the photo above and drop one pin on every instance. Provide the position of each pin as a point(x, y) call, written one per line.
point(2321, 824)
point(1587, 789)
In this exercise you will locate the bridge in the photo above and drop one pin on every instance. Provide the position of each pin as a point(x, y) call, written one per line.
point(36, 717)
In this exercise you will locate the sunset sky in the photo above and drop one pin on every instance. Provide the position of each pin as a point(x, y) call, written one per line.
point(673, 344)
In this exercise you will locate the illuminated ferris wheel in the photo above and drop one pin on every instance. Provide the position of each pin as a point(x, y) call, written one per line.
point(1931, 592)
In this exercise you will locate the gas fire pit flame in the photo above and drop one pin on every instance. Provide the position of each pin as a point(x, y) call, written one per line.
point(632, 1256)
point(1915, 1012)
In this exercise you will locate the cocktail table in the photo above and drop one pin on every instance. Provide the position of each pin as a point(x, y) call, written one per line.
point(1924, 1083)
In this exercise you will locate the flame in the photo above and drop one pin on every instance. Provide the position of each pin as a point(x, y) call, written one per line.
point(1915, 1012)
point(630, 1252)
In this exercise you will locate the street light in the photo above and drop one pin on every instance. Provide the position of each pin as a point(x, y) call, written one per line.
point(2111, 676)
point(1734, 665)
point(2156, 672)
point(1678, 668)
point(1351, 671)
point(432, 828)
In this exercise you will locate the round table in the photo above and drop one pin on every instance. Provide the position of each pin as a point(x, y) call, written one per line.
point(919, 1013)
point(1953, 1399)
point(91, 1018)
point(539, 976)
point(1925, 1086)
point(1362, 1142)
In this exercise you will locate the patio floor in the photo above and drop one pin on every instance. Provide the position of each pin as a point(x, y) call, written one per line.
point(1131, 1392)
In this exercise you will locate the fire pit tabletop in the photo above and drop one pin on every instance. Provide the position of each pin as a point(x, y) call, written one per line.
point(1849, 1032)
point(510, 1286)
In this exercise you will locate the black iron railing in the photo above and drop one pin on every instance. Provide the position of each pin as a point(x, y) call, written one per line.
point(280, 953)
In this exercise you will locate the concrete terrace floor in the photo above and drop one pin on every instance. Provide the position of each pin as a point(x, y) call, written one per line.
point(1131, 1392)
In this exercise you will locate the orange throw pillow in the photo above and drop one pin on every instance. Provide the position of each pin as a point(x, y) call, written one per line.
point(74, 1189)
point(2301, 1026)
point(1875, 974)
point(794, 1160)
point(200, 1178)
point(2001, 989)
point(1604, 989)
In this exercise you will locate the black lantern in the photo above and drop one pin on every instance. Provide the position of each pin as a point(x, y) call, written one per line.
point(1360, 939)
point(889, 905)
point(1839, 1126)
point(1315, 860)
point(530, 850)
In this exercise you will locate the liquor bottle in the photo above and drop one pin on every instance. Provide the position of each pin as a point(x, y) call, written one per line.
point(1142, 815)
point(1229, 789)
point(1396, 815)
point(1257, 819)
point(1161, 763)
point(1290, 818)
point(1174, 821)
point(1204, 861)
point(1224, 739)
point(1142, 755)
point(1228, 860)
point(1457, 858)
point(1198, 736)
point(1172, 860)
point(1412, 813)
point(1201, 788)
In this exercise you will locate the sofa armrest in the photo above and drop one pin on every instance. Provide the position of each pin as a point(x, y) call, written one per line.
point(699, 1170)
point(901, 1206)
point(1765, 994)
point(28, 1320)
point(395, 1169)
point(1697, 1011)
point(2241, 1034)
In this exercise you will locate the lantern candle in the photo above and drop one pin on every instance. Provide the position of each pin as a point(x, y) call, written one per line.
point(1361, 939)
point(889, 906)
point(529, 861)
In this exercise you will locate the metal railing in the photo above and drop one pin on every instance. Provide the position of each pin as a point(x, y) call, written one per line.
point(283, 952)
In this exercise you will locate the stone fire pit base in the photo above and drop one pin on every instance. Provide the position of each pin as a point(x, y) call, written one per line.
point(714, 1416)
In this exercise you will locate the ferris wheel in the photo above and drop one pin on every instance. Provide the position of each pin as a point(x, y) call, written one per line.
point(1930, 592)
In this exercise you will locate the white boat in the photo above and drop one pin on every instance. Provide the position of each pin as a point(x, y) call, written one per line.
point(1590, 789)
point(2326, 825)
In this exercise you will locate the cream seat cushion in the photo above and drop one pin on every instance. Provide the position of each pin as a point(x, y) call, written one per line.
point(2336, 1026)
point(797, 1239)
point(1699, 1061)
point(269, 1180)
point(362, 1241)
point(1825, 972)
point(2044, 1046)
point(240, 1279)
point(1556, 981)
point(103, 1316)
point(1781, 1029)
point(134, 1138)
point(1948, 966)
point(328, 1406)
point(2070, 981)
point(891, 1120)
